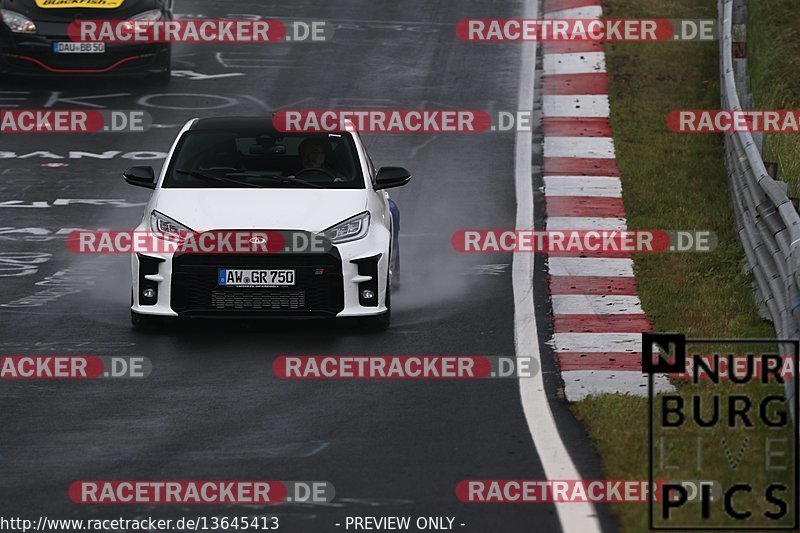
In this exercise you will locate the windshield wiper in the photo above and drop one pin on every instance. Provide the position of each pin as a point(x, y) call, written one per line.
point(282, 179)
point(227, 178)
point(218, 179)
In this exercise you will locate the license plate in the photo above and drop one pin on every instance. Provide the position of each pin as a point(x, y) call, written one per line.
point(69, 47)
point(229, 277)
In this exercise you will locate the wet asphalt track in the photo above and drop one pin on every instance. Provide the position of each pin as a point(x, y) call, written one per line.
point(212, 408)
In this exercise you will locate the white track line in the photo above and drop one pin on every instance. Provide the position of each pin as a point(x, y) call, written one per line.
point(579, 384)
point(608, 187)
point(574, 63)
point(557, 464)
point(596, 304)
point(598, 342)
point(589, 147)
point(575, 106)
point(585, 12)
point(586, 223)
point(591, 266)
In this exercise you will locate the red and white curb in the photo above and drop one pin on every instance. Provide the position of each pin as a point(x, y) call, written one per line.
point(597, 316)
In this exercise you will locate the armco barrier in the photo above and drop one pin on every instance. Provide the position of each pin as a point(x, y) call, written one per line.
point(767, 222)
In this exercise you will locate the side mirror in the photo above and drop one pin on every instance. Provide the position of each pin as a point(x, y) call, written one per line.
point(389, 177)
point(141, 177)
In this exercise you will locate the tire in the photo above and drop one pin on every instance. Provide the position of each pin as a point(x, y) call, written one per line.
point(145, 322)
point(165, 74)
point(395, 266)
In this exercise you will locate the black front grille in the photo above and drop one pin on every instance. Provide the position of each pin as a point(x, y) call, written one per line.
point(318, 288)
point(268, 300)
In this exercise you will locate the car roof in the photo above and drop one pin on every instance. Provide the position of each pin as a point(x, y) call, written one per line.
point(263, 123)
point(218, 123)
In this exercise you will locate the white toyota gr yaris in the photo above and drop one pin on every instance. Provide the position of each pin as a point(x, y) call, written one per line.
point(242, 175)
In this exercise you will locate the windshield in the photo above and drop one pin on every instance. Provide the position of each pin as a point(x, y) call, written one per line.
point(250, 158)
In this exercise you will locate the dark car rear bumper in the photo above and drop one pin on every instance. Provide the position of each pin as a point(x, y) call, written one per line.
point(34, 55)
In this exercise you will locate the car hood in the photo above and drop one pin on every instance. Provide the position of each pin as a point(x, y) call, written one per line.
point(280, 209)
point(127, 9)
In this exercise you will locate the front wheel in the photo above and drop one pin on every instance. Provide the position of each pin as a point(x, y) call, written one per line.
point(145, 322)
point(395, 274)
point(164, 73)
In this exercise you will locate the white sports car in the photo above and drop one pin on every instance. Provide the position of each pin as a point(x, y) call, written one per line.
point(242, 175)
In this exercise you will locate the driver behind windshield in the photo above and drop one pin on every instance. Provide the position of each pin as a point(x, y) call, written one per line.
point(314, 152)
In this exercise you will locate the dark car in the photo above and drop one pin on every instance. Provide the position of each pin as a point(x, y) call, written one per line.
point(34, 38)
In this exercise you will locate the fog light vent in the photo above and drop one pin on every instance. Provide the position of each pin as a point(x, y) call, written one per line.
point(368, 290)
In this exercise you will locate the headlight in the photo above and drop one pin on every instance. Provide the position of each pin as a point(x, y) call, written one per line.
point(166, 228)
point(352, 229)
point(16, 22)
point(147, 16)
point(152, 15)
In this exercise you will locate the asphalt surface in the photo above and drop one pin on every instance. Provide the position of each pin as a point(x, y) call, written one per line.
point(212, 408)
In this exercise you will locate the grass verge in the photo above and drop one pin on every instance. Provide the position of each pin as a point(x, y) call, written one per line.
point(672, 181)
point(774, 61)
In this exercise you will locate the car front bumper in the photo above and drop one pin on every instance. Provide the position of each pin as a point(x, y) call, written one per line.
point(327, 284)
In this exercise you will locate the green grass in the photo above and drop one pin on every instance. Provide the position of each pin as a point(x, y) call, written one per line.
point(670, 181)
point(774, 61)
